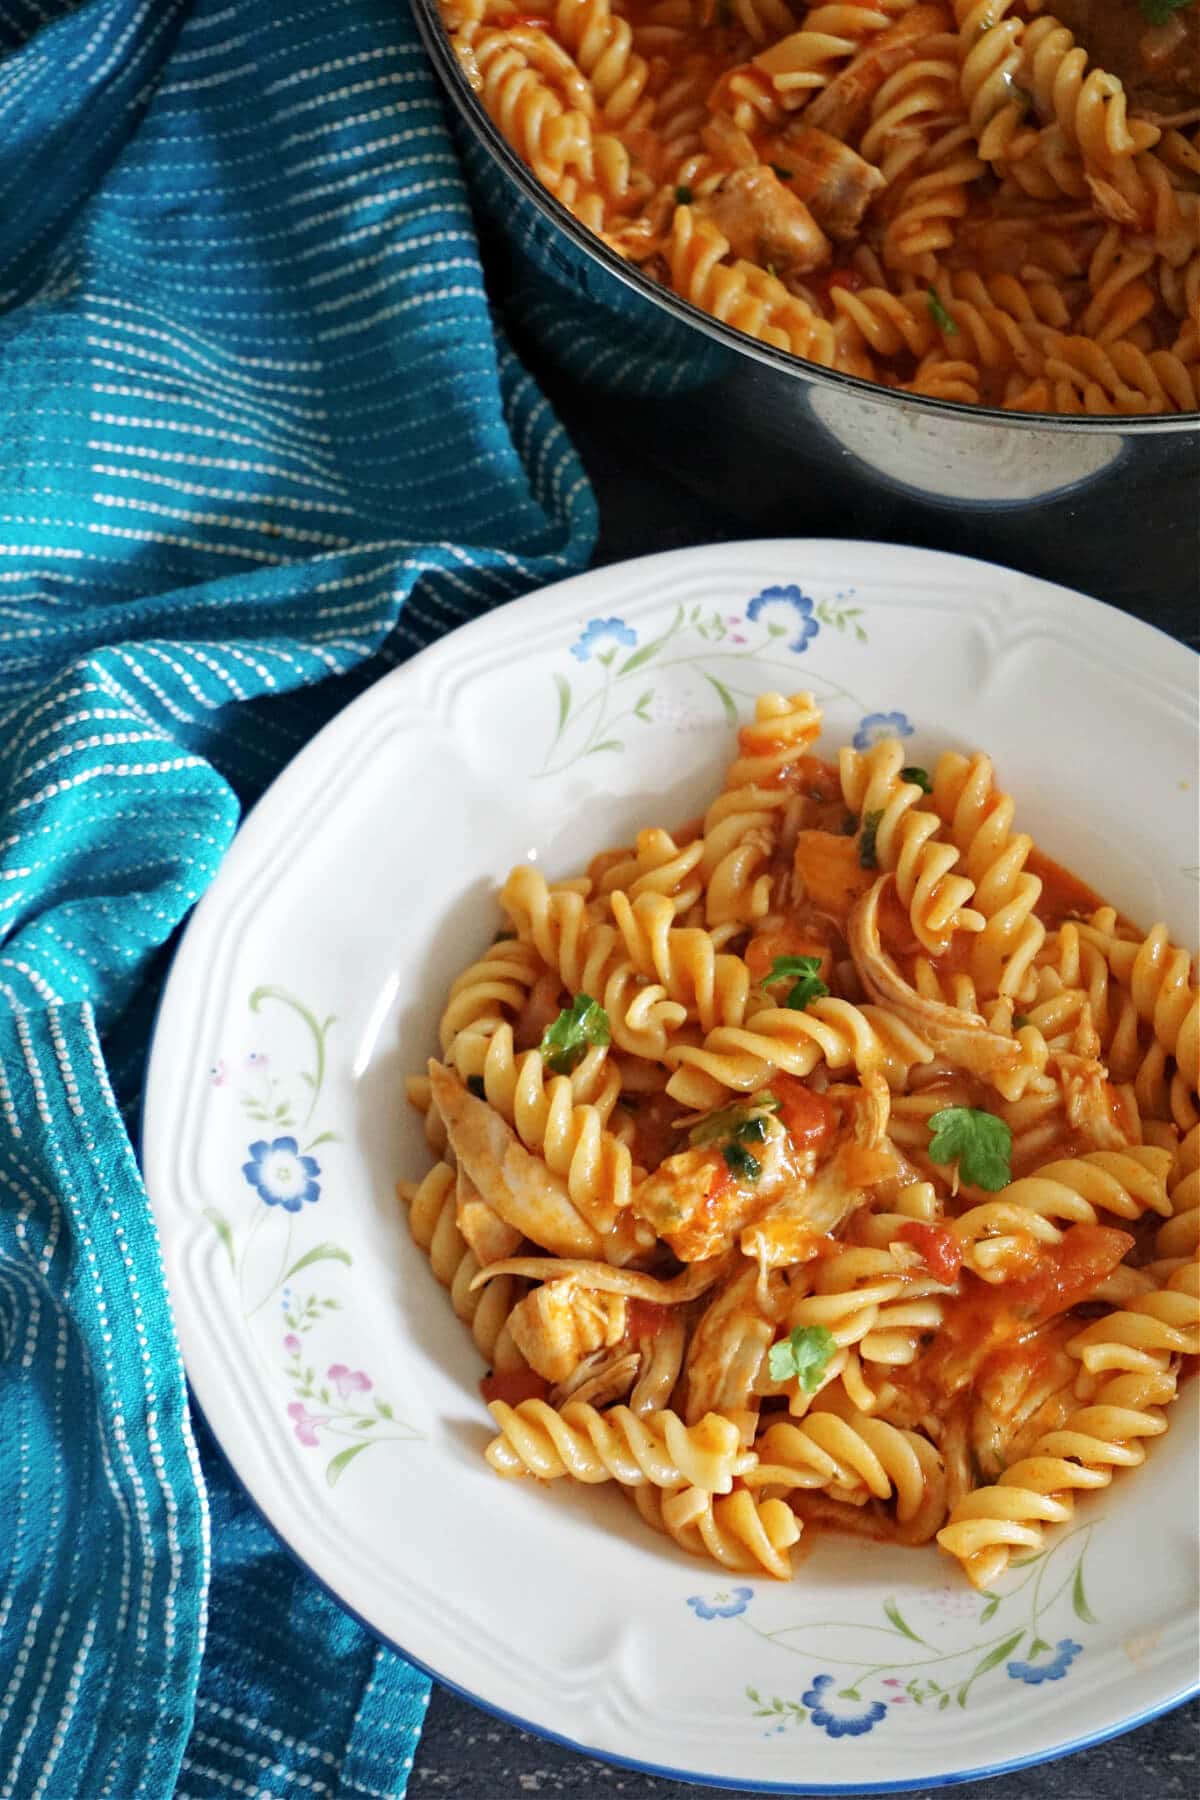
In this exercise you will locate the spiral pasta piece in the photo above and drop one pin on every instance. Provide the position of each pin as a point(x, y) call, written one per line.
point(1067, 1192)
point(1159, 977)
point(907, 842)
point(873, 1299)
point(738, 1531)
point(563, 1119)
point(1181, 1233)
point(590, 959)
point(851, 1456)
point(712, 988)
point(432, 1221)
point(617, 1445)
point(1088, 105)
point(979, 820)
point(491, 991)
point(1147, 1333)
point(988, 1524)
point(865, 1038)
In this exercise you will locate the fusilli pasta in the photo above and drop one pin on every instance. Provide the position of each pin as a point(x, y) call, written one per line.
point(830, 1160)
point(951, 199)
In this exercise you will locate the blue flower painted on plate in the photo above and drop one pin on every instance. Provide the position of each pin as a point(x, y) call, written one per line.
point(282, 1176)
point(1065, 1652)
point(786, 613)
point(877, 726)
point(602, 639)
point(844, 1714)
point(721, 1606)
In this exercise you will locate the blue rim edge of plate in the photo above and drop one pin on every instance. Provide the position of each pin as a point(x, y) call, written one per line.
point(663, 1770)
point(614, 1758)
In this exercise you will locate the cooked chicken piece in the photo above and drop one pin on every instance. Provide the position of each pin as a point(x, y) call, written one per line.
point(661, 1360)
point(794, 1228)
point(828, 872)
point(517, 1186)
point(842, 107)
point(604, 1376)
point(1094, 1107)
point(726, 1351)
point(698, 1204)
point(834, 181)
point(963, 1039)
point(487, 1234)
point(766, 223)
point(557, 1325)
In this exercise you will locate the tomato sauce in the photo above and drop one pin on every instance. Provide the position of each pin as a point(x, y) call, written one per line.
point(985, 1319)
point(646, 1318)
point(514, 1385)
point(1063, 895)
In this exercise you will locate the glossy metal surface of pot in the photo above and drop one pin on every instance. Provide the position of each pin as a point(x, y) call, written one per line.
point(1108, 505)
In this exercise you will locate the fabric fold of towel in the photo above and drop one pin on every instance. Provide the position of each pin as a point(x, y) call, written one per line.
point(261, 439)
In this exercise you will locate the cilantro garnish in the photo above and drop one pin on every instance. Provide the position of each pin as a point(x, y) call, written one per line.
point(683, 196)
point(938, 313)
point(867, 858)
point(979, 1142)
point(577, 1027)
point(740, 1162)
point(1020, 1021)
point(805, 1352)
point(917, 777)
point(1161, 12)
point(783, 174)
point(804, 972)
point(475, 1083)
point(743, 1119)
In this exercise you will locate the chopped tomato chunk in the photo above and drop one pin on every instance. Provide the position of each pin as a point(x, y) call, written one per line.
point(807, 1117)
point(514, 1385)
point(844, 278)
point(940, 1249)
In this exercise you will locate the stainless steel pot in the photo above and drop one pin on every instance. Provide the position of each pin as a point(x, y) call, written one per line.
point(1111, 506)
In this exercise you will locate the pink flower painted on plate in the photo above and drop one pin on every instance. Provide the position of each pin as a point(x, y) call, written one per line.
point(349, 1381)
point(217, 1074)
point(257, 1059)
point(305, 1423)
point(291, 1344)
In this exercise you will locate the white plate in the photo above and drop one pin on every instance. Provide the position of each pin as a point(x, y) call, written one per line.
point(311, 979)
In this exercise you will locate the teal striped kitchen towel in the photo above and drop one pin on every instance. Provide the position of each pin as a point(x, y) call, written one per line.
point(260, 438)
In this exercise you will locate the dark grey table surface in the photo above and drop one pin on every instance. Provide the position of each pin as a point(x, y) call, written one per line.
point(471, 1755)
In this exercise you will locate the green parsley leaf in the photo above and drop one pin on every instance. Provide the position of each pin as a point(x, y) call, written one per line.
point(475, 1083)
point(979, 1142)
point(1021, 96)
point(804, 1352)
point(938, 313)
point(1161, 12)
point(740, 1162)
point(917, 777)
point(867, 858)
point(683, 196)
point(732, 1121)
point(578, 1026)
point(1020, 1021)
point(803, 971)
point(783, 174)
point(772, 272)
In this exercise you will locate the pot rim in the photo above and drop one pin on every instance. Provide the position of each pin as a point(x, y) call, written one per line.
point(471, 110)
